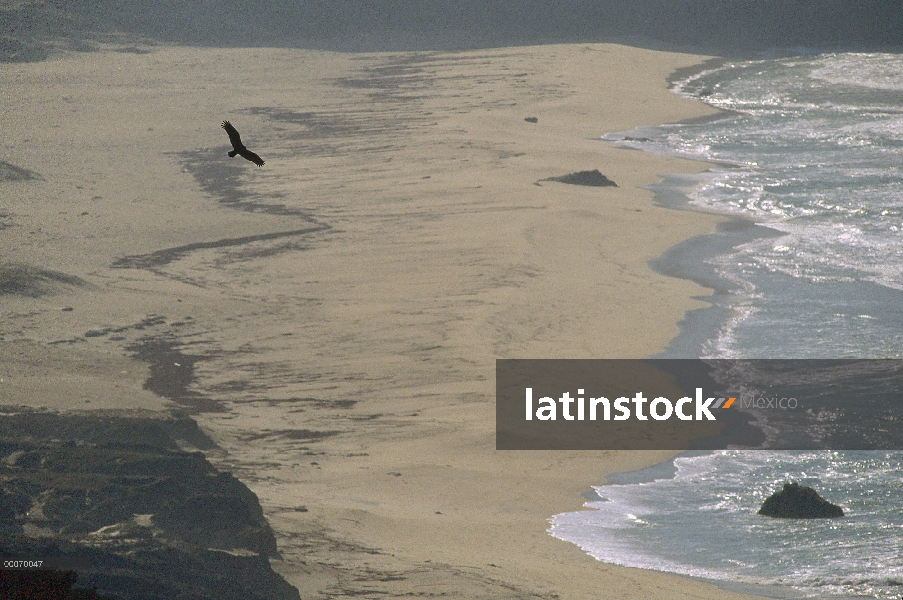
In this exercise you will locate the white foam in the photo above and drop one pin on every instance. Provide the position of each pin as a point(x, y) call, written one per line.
point(879, 71)
point(702, 522)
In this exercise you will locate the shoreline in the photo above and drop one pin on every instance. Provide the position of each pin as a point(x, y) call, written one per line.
point(345, 372)
point(688, 260)
point(666, 470)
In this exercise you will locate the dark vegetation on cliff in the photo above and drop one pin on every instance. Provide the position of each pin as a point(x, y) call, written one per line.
point(145, 518)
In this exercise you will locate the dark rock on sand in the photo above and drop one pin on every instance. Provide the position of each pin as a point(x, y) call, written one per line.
point(591, 178)
point(148, 519)
point(797, 501)
point(531, 120)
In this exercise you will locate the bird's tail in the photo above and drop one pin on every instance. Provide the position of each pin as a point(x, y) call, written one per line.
point(232, 153)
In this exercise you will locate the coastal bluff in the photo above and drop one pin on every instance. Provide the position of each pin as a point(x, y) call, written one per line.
point(143, 518)
point(797, 501)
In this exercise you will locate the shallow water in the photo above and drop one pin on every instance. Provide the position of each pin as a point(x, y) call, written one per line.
point(716, 497)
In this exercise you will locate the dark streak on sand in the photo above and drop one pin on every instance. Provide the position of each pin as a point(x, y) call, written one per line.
point(31, 281)
point(326, 125)
point(148, 322)
point(400, 78)
point(10, 172)
point(167, 255)
point(306, 435)
point(342, 132)
point(223, 181)
point(172, 372)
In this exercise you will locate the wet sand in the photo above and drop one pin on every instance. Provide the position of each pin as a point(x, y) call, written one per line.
point(332, 319)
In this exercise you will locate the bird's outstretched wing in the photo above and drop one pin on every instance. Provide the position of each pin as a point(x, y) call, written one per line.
point(233, 135)
point(239, 148)
point(251, 156)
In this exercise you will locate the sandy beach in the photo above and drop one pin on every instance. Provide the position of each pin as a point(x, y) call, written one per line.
point(332, 319)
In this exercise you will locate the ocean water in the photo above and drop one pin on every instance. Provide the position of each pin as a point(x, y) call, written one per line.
point(702, 522)
point(809, 149)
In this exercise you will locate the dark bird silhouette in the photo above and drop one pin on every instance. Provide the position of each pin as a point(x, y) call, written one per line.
point(238, 147)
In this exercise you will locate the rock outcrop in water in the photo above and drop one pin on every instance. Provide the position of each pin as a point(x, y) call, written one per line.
point(797, 501)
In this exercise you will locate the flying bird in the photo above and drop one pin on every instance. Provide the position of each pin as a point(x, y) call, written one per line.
point(238, 147)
